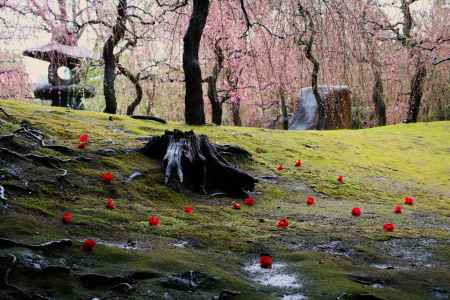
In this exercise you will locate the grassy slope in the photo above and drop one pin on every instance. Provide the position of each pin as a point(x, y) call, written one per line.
point(381, 166)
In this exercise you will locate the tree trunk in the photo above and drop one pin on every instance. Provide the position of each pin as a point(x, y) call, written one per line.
point(151, 97)
point(191, 161)
point(217, 113)
point(135, 81)
point(284, 111)
point(194, 106)
point(236, 112)
point(315, 87)
point(216, 104)
point(377, 98)
point(415, 97)
point(118, 33)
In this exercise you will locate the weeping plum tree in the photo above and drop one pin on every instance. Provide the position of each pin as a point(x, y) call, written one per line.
point(416, 45)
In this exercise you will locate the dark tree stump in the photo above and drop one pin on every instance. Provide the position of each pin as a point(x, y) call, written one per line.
point(192, 161)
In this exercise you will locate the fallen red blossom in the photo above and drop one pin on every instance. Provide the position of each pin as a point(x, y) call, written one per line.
point(84, 138)
point(389, 227)
point(249, 201)
point(188, 210)
point(398, 209)
point(110, 203)
point(67, 217)
point(280, 168)
point(265, 261)
point(236, 205)
point(107, 177)
point(283, 223)
point(356, 211)
point(88, 245)
point(298, 163)
point(153, 221)
point(340, 179)
point(409, 200)
point(310, 200)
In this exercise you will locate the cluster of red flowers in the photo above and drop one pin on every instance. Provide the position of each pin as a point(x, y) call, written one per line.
point(297, 164)
point(356, 211)
point(283, 223)
point(107, 177)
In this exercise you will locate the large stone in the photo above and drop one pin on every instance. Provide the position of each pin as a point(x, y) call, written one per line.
point(337, 100)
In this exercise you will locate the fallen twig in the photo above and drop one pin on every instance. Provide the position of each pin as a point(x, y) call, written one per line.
point(5, 113)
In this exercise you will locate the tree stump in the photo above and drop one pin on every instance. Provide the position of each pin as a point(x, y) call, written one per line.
point(338, 109)
point(191, 161)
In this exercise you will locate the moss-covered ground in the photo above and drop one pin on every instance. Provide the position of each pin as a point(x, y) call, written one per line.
point(325, 248)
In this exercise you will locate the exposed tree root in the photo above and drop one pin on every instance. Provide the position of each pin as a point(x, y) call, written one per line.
point(52, 245)
point(150, 118)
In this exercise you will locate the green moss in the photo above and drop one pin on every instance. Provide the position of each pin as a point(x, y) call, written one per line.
point(380, 165)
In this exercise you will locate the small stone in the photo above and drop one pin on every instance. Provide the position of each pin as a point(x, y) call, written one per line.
point(260, 150)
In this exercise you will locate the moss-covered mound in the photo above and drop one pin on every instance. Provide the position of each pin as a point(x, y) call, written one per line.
point(325, 252)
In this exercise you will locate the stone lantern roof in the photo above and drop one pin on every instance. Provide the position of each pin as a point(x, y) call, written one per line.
point(55, 51)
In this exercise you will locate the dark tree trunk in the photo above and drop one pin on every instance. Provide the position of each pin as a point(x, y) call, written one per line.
point(135, 81)
point(415, 97)
point(315, 87)
point(284, 112)
point(217, 113)
point(216, 103)
point(378, 99)
point(118, 33)
point(194, 106)
point(236, 112)
point(191, 161)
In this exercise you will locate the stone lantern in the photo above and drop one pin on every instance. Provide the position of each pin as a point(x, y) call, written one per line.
point(65, 57)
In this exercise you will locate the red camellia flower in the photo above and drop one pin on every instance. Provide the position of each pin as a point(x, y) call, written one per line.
point(188, 210)
point(84, 138)
point(310, 200)
point(107, 177)
point(356, 211)
point(389, 227)
point(265, 261)
point(340, 179)
point(153, 221)
point(249, 201)
point(82, 146)
point(283, 223)
point(88, 245)
point(398, 209)
point(280, 168)
point(67, 217)
point(236, 205)
point(110, 203)
point(298, 163)
point(409, 200)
